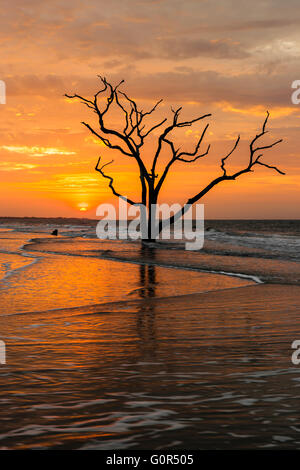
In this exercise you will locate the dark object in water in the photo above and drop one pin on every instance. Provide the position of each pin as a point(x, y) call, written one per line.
point(55, 232)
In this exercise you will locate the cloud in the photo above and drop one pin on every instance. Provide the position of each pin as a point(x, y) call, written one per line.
point(36, 151)
point(211, 87)
point(49, 85)
point(144, 30)
point(259, 110)
point(185, 48)
point(182, 84)
point(12, 166)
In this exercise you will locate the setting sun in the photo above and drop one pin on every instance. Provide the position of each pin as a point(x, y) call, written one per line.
point(83, 206)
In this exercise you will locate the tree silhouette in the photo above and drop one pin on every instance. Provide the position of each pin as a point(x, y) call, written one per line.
point(131, 139)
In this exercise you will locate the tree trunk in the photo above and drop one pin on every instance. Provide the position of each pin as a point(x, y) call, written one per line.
point(151, 220)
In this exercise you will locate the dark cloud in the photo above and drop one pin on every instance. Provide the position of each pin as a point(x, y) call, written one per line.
point(260, 48)
point(185, 48)
point(181, 85)
point(212, 87)
point(50, 85)
point(144, 30)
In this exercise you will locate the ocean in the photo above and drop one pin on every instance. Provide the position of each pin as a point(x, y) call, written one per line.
point(112, 345)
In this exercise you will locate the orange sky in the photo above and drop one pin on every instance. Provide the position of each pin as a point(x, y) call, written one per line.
point(202, 54)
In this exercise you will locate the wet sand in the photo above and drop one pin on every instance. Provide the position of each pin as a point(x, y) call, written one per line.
point(200, 371)
point(248, 262)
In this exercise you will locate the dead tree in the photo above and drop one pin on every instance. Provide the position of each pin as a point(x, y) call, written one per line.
point(130, 141)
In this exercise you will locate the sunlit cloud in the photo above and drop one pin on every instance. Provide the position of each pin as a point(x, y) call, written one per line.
point(69, 183)
point(259, 110)
point(36, 151)
point(11, 166)
point(94, 140)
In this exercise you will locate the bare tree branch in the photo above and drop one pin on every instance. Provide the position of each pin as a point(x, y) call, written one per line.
point(175, 124)
point(225, 176)
point(107, 142)
point(154, 127)
point(253, 160)
point(130, 140)
point(127, 146)
point(111, 182)
point(269, 166)
point(192, 154)
point(176, 156)
point(228, 155)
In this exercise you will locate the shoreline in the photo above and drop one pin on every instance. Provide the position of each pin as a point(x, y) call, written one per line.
point(26, 247)
point(259, 268)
